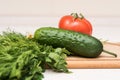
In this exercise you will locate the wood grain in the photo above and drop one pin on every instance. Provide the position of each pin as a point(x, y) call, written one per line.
point(103, 61)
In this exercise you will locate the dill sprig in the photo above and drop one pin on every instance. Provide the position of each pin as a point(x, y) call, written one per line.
point(22, 58)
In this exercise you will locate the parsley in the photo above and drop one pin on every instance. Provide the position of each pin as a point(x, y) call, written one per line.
point(22, 58)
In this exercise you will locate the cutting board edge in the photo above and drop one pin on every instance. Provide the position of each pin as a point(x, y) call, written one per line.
point(93, 64)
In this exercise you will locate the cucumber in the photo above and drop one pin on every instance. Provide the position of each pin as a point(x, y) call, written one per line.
point(78, 43)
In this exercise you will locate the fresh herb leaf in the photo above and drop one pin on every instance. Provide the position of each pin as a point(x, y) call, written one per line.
point(22, 58)
point(18, 58)
point(56, 60)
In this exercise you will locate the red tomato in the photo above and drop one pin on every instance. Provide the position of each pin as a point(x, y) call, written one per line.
point(75, 23)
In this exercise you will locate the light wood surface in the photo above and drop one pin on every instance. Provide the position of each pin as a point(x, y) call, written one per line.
point(103, 61)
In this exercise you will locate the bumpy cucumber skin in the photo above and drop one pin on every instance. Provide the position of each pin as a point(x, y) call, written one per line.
point(78, 43)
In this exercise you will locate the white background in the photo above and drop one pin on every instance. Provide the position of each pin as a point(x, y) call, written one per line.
point(59, 7)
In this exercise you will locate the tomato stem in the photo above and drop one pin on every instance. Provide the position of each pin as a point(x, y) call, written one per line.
point(110, 53)
point(81, 16)
point(75, 15)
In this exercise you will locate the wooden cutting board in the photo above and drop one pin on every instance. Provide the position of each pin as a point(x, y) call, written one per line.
point(103, 61)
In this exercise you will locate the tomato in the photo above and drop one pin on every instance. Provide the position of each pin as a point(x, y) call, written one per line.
point(75, 23)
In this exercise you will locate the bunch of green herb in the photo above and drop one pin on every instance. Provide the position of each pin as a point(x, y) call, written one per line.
point(22, 58)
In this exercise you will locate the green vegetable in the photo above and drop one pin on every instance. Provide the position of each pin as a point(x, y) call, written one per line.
point(24, 59)
point(77, 43)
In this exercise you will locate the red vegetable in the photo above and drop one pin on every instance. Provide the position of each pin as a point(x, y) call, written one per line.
point(75, 23)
